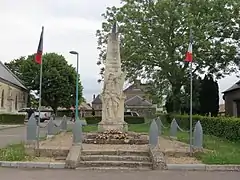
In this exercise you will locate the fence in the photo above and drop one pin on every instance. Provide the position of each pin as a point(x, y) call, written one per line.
point(155, 130)
point(52, 127)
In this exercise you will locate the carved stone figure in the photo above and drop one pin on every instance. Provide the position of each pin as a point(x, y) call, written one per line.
point(112, 96)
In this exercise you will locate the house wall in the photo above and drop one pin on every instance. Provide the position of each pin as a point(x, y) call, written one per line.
point(12, 98)
point(137, 90)
point(231, 100)
point(97, 106)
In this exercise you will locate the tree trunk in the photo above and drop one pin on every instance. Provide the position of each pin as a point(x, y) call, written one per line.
point(54, 111)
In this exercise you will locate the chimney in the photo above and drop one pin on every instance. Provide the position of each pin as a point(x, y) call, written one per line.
point(94, 96)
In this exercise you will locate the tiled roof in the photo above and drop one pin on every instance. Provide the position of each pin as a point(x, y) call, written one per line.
point(84, 105)
point(133, 88)
point(232, 88)
point(8, 76)
point(137, 101)
point(97, 100)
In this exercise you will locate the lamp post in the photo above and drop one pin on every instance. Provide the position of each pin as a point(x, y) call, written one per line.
point(76, 105)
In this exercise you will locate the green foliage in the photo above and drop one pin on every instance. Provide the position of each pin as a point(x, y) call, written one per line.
point(224, 127)
point(221, 151)
point(93, 119)
point(12, 118)
point(14, 152)
point(205, 97)
point(209, 96)
point(61, 113)
point(155, 37)
point(127, 119)
point(185, 97)
point(58, 82)
point(134, 120)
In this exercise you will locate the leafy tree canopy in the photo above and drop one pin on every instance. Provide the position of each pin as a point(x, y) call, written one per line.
point(155, 36)
point(58, 82)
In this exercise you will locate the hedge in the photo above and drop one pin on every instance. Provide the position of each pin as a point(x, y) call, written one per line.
point(12, 118)
point(128, 119)
point(224, 127)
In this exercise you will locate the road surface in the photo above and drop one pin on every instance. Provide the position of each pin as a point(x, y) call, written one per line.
point(17, 135)
point(29, 174)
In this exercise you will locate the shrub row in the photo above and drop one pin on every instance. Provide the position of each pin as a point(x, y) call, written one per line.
point(224, 127)
point(12, 118)
point(127, 119)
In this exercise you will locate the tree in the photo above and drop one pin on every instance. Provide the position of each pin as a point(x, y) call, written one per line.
point(209, 96)
point(155, 37)
point(58, 82)
point(184, 100)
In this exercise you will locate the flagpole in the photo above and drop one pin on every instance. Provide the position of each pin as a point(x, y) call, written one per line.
point(191, 87)
point(39, 106)
point(40, 101)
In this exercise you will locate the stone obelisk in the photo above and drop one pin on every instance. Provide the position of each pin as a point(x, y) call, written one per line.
point(112, 95)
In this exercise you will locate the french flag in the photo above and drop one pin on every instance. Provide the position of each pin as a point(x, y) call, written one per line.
point(38, 56)
point(189, 52)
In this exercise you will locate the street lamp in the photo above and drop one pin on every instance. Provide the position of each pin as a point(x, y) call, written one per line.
point(76, 105)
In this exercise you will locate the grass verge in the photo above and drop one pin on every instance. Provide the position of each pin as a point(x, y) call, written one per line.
point(221, 151)
point(15, 152)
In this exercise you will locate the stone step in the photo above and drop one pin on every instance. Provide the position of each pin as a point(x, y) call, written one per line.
point(129, 164)
point(115, 168)
point(114, 158)
point(60, 158)
point(116, 152)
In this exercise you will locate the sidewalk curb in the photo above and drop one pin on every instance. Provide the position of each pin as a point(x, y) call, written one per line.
point(170, 167)
point(203, 167)
point(25, 164)
point(12, 127)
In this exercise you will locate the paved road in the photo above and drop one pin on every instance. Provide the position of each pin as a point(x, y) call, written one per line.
point(24, 174)
point(17, 135)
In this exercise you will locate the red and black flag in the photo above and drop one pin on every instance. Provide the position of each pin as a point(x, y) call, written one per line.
point(189, 57)
point(38, 56)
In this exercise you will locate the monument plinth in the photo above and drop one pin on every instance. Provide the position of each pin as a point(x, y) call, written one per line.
point(112, 95)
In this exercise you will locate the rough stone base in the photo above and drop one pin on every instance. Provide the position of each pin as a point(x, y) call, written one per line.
point(73, 157)
point(30, 147)
point(157, 158)
point(103, 126)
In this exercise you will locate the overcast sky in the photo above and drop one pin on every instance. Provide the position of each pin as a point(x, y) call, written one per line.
point(69, 25)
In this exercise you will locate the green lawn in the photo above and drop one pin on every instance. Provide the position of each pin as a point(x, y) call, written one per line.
point(221, 151)
point(14, 152)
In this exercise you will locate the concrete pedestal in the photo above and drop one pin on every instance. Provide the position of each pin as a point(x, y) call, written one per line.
point(121, 126)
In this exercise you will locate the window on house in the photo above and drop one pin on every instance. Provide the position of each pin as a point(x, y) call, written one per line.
point(2, 99)
point(16, 103)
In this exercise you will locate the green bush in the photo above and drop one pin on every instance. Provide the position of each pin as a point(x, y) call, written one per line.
point(224, 127)
point(165, 118)
point(128, 119)
point(12, 118)
point(134, 119)
point(61, 113)
point(93, 119)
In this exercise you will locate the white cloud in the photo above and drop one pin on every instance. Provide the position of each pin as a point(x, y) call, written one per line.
point(69, 25)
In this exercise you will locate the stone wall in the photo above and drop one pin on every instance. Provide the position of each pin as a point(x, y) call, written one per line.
point(12, 98)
